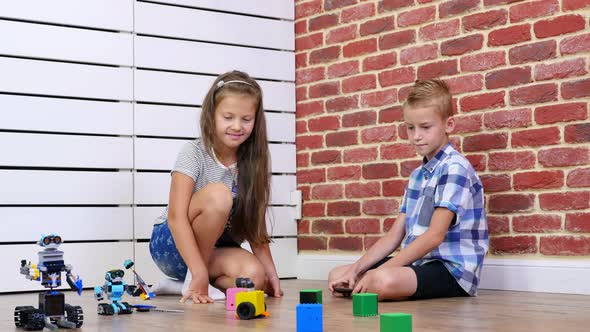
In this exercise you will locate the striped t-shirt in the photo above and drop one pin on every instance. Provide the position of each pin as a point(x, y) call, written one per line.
point(204, 168)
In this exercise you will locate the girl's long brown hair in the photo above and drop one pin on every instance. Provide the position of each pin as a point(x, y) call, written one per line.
point(248, 222)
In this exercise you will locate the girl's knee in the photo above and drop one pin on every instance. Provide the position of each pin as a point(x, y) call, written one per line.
point(215, 198)
point(218, 197)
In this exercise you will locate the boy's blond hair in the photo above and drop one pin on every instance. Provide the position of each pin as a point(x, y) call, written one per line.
point(433, 92)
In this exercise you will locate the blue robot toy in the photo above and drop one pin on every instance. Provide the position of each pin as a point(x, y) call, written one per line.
point(53, 312)
point(115, 287)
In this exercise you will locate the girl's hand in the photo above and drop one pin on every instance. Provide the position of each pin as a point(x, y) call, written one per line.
point(198, 290)
point(273, 287)
point(347, 279)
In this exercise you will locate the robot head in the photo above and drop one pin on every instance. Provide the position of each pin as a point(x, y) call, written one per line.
point(50, 241)
point(114, 276)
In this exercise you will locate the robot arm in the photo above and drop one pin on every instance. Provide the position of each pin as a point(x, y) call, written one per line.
point(74, 281)
point(143, 289)
point(30, 271)
point(133, 290)
point(98, 293)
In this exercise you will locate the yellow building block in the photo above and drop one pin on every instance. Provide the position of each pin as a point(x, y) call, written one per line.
point(250, 304)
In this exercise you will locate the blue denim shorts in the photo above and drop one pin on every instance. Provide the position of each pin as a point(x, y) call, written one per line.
point(166, 255)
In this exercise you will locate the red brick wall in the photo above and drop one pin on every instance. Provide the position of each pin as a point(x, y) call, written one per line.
point(519, 71)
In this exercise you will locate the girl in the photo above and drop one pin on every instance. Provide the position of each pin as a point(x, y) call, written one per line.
point(218, 197)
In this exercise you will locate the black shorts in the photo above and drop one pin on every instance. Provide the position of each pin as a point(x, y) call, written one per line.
point(434, 280)
point(226, 240)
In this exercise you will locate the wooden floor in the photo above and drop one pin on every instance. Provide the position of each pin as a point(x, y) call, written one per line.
point(490, 311)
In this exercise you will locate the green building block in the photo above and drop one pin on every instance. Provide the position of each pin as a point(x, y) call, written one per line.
point(395, 322)
point(364, 304)
point(310, 296)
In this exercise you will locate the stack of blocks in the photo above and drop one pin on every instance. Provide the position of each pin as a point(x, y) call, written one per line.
point(309, 311)
point(395, 322)
point(364, 304)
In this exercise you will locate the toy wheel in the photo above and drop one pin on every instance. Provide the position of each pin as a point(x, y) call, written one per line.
point(245, 310)
point(128, 309)
point(105, 309)
point(75, 315)
point(21, 313)
point(35, 320)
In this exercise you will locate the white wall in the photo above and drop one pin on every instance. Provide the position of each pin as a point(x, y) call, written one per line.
point(95, 100)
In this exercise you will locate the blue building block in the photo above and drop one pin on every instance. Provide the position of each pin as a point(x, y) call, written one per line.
point(310, 317)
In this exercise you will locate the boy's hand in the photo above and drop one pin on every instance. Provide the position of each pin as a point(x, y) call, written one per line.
point(198, 290)
point(348, 279)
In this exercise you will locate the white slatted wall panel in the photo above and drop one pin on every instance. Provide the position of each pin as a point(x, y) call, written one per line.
point(66, 133)
point(269, 8)
point(96, 98)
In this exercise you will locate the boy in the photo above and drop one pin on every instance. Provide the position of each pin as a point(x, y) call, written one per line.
point(442, 224)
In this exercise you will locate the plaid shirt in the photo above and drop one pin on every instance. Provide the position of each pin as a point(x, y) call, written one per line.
point(449, 181)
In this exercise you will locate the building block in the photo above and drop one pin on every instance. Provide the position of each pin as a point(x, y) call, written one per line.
point(395, 322)
point(364, 304)
point(310, 317)
point(250, 305)
point(310, 296)
point(230, 297)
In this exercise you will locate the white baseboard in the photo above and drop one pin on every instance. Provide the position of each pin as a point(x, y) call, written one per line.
point(568, 276)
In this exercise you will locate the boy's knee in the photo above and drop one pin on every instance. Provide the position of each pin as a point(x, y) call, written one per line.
point(331, 274)
point(336, 272)
point(385, 281)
